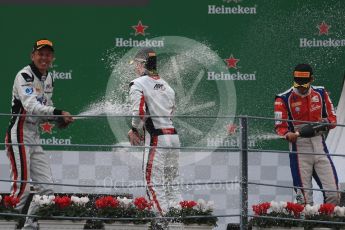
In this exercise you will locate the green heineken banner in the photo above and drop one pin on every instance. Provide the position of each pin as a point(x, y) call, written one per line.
point(223, 58)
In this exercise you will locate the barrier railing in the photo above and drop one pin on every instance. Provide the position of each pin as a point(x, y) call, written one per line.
point(242, 149)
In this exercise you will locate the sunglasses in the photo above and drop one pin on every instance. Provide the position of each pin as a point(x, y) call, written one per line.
point(302, 79)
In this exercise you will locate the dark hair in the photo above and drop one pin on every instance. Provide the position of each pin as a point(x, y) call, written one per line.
point(148, 56)
point(304, 68)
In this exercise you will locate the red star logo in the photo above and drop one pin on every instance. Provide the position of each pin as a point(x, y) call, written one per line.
point(140, 29)
point(323, 28)
point(47, 127)
point(232, 62)
point(232, 128)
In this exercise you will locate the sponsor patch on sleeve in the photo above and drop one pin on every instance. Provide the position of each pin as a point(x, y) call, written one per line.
point(278, 115)
point(28, 91)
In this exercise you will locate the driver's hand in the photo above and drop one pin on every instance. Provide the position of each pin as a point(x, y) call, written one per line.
point(134, 138)
point(291, 137)
point(67, 117)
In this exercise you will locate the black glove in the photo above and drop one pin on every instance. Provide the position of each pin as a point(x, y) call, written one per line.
point(61, 124)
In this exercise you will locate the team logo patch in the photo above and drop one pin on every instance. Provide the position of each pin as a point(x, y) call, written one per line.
point(48, 86)
point(28, 90)
point(315, 99)
point(297, 109)
point(159, 87)
point(42, 100)
point(315, 107)
point(296, 104)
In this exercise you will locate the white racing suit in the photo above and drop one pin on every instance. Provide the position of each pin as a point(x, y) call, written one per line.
point(323, 170)
point(153, 96)
point(31, 94)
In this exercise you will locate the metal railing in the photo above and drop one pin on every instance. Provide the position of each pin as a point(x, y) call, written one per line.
point(243, 149)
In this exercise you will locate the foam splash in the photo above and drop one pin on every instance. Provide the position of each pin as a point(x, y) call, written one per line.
point(106, 107)
point(265, 136)
point(184, 64)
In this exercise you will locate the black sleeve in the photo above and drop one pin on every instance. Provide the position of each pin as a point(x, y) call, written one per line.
point(27, 77)
point(57, 112)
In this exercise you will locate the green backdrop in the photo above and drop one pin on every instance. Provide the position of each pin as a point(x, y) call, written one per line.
point(266, 40)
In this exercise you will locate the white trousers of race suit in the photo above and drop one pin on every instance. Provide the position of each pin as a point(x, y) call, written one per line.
point(28, 162)
point(304, 167)
point(161, 167)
